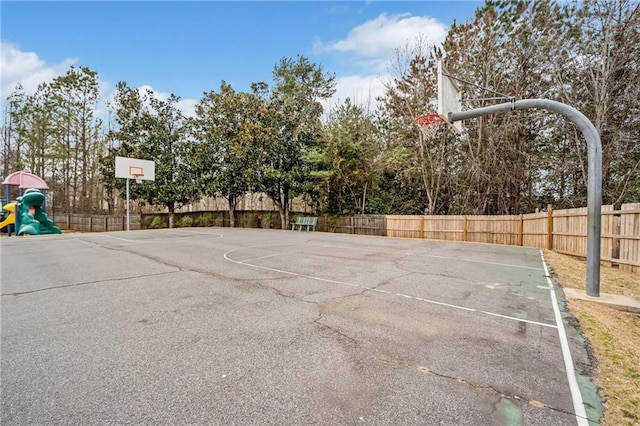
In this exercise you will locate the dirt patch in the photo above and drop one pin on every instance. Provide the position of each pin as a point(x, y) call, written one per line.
point(614, 335)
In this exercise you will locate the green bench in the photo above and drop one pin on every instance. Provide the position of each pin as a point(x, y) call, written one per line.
point(304, 221)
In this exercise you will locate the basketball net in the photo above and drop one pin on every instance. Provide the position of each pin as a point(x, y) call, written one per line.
point(138, 178)
point(429, 124)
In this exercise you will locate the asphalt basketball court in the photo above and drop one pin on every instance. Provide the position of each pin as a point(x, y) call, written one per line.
point(245, 326)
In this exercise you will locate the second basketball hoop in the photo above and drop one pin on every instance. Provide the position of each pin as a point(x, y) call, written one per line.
point(428, 124)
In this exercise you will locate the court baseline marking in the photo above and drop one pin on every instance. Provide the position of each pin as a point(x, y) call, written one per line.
point(576, 397)
point(158, 239)
point(457, 259)
point(578, 404)
point(436, 257)
point(407, 296)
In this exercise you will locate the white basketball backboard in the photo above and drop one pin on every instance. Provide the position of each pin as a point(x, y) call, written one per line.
point(449, 96)
point(134, 168)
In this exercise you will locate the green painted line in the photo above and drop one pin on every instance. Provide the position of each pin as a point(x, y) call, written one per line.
point(511, 412)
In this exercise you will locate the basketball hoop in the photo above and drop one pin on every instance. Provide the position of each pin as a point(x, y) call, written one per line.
point(138, 177)
point(428, 124)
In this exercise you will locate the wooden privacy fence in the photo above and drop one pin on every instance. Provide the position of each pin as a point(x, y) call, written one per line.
point(620, 242)
point(96, 223)
point(360, 224)
point(564, 231)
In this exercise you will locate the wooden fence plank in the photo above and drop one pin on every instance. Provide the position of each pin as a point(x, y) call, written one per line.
point(629, 252)
point(95, 223)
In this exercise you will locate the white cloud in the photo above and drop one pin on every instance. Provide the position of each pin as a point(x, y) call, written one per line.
point(27, 69)
point(187, 106)
point(361, 89)
point(370, 47)
point(379, 37)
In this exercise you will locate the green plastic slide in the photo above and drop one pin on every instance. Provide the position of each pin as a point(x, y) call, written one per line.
point(31, 219)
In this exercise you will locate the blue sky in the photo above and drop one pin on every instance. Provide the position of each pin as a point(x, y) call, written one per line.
point(187, 48)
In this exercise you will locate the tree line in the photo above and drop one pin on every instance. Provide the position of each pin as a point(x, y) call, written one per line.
point(277, 140)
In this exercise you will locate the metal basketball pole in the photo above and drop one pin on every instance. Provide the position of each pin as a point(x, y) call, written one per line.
point(594, 179)
point(128, 207)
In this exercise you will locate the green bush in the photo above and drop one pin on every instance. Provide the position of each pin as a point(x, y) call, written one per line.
point(265, 220)
point(219, 221)
point(184, 222)
point(250, 220)
point(205, 220)
point(145, 221)
point(332, 224)
point(158, 222)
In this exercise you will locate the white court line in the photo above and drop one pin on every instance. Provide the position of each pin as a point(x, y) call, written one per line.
point(576, 396)
point(199, 233)
point(260, 258)
point(437, 257)
point(433, 302)
point(482, 261)
point(154, 239)
point(118, 238)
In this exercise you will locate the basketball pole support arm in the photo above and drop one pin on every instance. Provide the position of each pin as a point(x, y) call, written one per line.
point(594, 180)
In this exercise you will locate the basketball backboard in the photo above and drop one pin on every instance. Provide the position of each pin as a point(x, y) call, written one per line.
point(134, 168)
point(449, 96)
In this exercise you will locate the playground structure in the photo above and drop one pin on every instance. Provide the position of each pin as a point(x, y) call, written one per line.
point(31, 219)
point(27, 212)
point(10, 219)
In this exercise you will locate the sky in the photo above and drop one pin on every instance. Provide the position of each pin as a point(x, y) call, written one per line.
point(188, 47)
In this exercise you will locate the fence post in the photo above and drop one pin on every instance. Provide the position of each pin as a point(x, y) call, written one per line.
point(615, 246)
point(549, 227)
point(421, 227)
point(106, 223)
point(464, 228)
point(520, 230)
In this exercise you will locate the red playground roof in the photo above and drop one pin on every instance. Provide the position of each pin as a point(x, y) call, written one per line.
point(25, 180)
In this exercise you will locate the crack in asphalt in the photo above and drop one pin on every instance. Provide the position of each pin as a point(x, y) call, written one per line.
point(260, 282)
point(333, 329)
point(432, 274)
point(87, 283)
point(160, 261)
point(513, 398)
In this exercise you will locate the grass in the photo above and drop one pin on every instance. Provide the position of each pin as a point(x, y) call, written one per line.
point(614, 336)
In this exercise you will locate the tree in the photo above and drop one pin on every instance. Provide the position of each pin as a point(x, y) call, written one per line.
point(223, 157)
point(508, 48)
point(289, 128)
point(602, 47)
point(419, 163)
point(154, 129)
point(14, 118)
point(74, 99)
point(55, 133)
point(583, 54)
point(345, 169)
